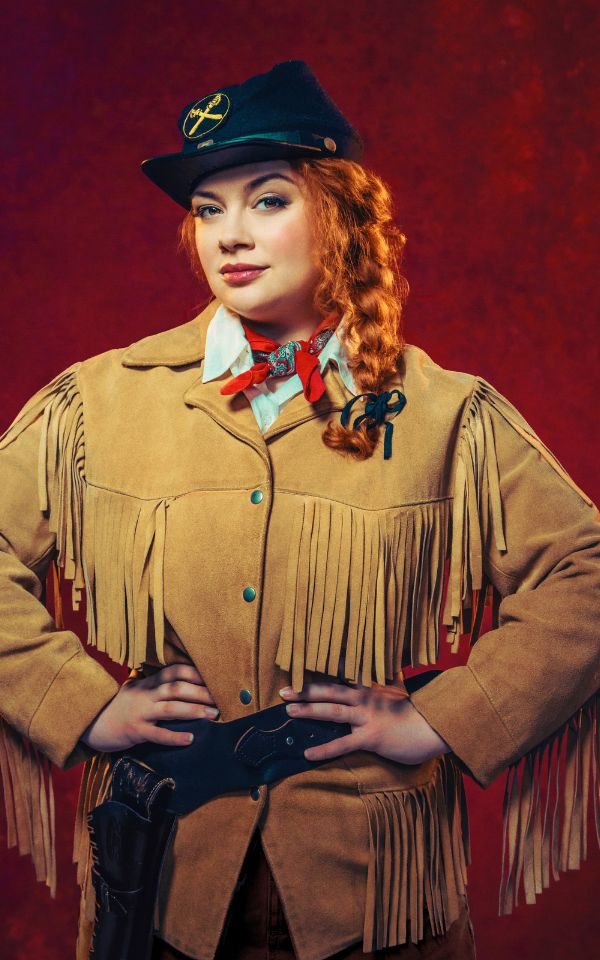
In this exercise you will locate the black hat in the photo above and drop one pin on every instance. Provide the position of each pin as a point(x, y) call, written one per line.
point(274, 115)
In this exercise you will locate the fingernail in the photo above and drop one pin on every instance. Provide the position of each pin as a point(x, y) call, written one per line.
point(285, 691)
point(190, 737)
point(212, 711)
point(292, 707)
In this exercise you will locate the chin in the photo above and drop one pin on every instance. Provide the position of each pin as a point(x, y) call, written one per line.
point(252, 307)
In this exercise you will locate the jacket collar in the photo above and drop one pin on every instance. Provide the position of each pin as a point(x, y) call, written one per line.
point(172, 348)
point(185, 344)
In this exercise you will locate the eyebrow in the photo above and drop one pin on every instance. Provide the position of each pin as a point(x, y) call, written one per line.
point(250, 185)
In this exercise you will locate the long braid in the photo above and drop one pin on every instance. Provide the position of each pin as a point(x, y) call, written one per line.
point(360, 253)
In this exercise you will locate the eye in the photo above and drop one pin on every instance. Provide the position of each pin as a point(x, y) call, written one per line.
point(199, 211)
point(277, 202)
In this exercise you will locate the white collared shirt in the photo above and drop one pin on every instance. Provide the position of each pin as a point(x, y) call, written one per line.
point(228, 349)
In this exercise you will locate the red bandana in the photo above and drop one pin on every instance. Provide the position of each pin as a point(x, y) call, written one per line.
point(273, 359)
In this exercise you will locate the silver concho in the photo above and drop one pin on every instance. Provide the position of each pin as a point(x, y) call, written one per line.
point(282, 361)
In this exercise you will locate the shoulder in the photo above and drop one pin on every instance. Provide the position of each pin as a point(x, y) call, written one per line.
point(433, 389)
point(181, 346)
point(486, 421)
point(101, 374)
point(176, 346)
point(423, 369)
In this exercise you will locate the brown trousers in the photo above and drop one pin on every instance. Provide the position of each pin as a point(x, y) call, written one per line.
point(256, 929)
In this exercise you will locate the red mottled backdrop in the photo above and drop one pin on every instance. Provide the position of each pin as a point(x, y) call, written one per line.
point(479, 115)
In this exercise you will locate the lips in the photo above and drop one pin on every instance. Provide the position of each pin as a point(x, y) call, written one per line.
point(240, 267)
point(240, 273)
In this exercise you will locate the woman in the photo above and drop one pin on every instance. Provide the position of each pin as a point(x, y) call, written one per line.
point(243, 533)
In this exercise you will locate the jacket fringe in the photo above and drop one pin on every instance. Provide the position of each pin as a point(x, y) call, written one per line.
point(119, 564)
point(477, 508)
point(545, 814)
point(364, 588)
point(29, 803)
point(93, 789)
point(533, 842)
point(123, 567)
point(60, 466)
point(27, 773)
point(395, 606)
point(419, 850)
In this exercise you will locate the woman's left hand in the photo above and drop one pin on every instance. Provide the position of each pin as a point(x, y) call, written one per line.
point(382, 719)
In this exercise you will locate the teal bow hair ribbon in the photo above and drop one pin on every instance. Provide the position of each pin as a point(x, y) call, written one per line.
point(376, 409)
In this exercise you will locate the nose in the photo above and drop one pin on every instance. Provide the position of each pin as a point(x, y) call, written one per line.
point(234, 232)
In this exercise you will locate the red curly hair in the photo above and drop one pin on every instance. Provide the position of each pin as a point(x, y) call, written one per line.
point(360, 254)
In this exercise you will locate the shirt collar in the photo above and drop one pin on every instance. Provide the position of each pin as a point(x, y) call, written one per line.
point(227, 346)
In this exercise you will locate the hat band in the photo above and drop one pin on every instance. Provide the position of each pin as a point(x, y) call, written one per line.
point(292, 138)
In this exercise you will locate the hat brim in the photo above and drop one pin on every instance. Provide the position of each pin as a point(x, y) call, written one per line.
point(175, 173)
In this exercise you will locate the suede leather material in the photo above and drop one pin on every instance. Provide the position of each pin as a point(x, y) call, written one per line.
point(154, 523)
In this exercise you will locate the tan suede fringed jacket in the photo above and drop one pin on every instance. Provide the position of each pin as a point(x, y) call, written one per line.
point(134, 479)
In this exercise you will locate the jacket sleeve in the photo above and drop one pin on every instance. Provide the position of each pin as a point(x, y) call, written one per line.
point(527, 699)
point(51, 688)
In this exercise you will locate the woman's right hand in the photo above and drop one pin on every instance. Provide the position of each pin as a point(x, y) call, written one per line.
point(176, 692)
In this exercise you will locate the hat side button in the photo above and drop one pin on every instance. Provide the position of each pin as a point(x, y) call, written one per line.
point(330, 144)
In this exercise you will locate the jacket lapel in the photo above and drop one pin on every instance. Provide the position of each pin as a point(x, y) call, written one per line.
point(299, 409)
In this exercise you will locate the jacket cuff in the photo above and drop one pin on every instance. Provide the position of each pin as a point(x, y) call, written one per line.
point(79, 691)
point(461, 712)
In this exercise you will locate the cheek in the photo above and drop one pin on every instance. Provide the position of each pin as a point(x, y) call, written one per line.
point(291, 241)
point(205, 248)
point(200, 249)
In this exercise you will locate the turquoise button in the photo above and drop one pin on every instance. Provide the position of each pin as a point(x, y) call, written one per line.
point(255, 793)
point(249, 594)
point(245, 696)
point(256, 496)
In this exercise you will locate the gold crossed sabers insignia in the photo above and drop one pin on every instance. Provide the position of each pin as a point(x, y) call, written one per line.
point(205, 115)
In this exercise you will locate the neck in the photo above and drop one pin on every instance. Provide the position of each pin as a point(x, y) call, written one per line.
point(300, 329)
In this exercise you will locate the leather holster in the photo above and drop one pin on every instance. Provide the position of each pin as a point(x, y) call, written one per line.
point(129, 835)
